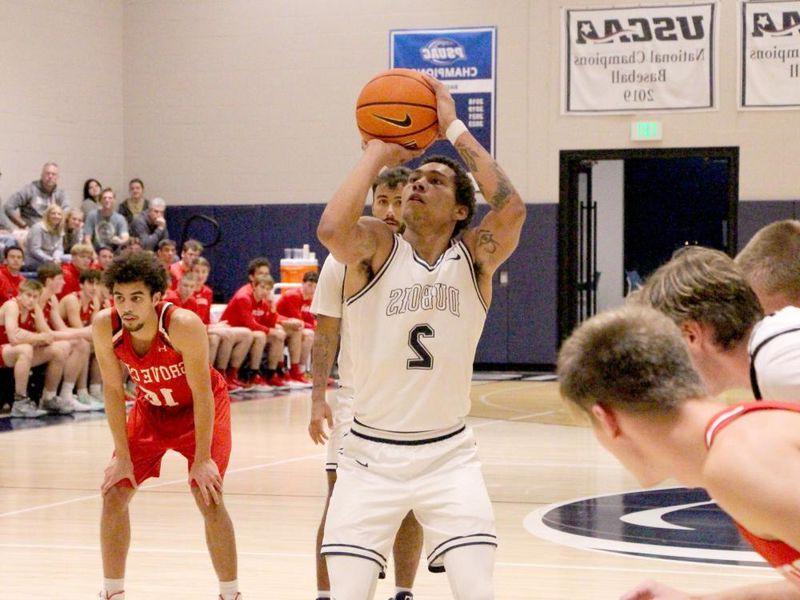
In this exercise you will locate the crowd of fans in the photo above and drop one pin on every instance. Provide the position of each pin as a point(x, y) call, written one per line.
point(45, 319)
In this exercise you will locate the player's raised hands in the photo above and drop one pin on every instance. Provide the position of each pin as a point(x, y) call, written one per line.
point(392, 155)
point(445, 105)
point(652, 590)
point(206, 474)
point(118, 469)
point(320, 413)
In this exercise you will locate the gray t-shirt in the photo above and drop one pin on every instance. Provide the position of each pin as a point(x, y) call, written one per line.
point(102, 228)
point(32, 201)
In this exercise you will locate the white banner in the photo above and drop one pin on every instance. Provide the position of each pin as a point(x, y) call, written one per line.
point(770, 55)
point(639, 59)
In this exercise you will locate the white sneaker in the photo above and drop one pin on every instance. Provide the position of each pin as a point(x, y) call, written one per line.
point(56, 405)
point(25, 408)
point(93, 403)
point(75, 405)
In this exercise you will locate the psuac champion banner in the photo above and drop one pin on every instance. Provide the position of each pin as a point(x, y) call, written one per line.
point(770, 55)
point(639, 59)
point(464, 59)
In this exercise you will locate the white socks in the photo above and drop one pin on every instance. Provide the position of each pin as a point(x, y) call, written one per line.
point(66, 390)
point(96, 390)
point(229, 589)
point(113, 586)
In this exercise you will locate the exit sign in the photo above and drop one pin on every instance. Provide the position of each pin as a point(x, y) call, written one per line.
point(646, 131)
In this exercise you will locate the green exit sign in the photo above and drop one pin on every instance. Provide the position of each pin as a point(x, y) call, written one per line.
point(646, 131)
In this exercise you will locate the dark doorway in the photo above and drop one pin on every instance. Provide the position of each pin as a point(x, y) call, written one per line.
point(672, 197)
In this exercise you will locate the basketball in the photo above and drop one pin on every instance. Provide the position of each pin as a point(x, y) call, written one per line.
point(398, 106)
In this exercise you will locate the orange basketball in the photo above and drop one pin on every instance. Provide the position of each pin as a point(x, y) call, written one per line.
point(398, 106)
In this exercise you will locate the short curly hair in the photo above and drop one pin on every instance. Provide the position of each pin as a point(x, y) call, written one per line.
point(138, 266)
point(465, 191)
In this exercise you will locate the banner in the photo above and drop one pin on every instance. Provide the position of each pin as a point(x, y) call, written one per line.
point(639, 59)
point(464, 59)
point(770, 55)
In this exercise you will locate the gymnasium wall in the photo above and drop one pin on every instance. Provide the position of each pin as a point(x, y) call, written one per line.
point(252, 102)
point(61, 91)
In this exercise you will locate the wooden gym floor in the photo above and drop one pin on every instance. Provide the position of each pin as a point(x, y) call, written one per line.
point(534, 454)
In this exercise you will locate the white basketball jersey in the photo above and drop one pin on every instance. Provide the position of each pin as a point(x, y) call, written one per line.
point(413, 332)
point(774, 349)
point(328, 301)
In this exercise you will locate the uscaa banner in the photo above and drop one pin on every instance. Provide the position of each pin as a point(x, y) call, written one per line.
point(639, 59)
point(770, 55)
point(464, 59)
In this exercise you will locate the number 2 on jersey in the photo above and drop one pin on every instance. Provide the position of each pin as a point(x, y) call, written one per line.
point(424, 359)
point(152, 397)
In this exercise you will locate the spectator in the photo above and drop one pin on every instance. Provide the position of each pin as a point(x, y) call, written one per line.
point(26, 344)
point(295, 305)
point(251, 307)
point(27, 206)
point(6, 227)
point(136, 203)
point(91, 196)
point(105, 256)
point(183, 297)
point(150, 226)
point(191, 250)
point(134, 244)
point(52, 280)
point(104, 227)
point(73, 228)
point(259, 266)
point(235, 342)
point(82, 255)
point(45, 241)
point(10, 276)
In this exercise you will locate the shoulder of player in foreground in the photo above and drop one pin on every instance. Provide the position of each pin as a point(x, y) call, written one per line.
point(185, 319)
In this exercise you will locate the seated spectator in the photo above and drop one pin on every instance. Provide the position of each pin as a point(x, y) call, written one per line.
point(78, 310)
point(52, 280)
point(45, 241)
point(73, 229)
point(235, 342)
point(251, 307)
point(191, 250)
point(135, 204)
point(104, 227)
point(91, 196)
point(23, 329)
point(26, 207)
point(183, 297)
point(10, 276)
point(105, 256)
point(259, 266)
point(295, 305)
point(134, 244)
point(150, 226)
point(82, 255)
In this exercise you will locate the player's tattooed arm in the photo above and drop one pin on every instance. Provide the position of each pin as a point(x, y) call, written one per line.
point(326, 340)
point(494, 184)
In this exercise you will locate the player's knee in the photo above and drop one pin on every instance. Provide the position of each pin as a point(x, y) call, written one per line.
point(24, 352)
point(277, 335)
point(259, 337)
point(116, 500)
point(308, 335)
point(61, 350)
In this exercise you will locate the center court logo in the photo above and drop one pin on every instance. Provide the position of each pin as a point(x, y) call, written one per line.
point(443, 52)
point(669, 524)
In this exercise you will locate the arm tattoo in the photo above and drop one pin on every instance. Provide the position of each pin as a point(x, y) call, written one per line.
point(486, 241)
point(504, 190)
point(469, 157)
point(323, 353)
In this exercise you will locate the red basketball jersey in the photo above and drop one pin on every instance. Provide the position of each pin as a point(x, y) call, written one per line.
point(86, 313)
point(783, 557)
point(160, 374)
point(28, 324)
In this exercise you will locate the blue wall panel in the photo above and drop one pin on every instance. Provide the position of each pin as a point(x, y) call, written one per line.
point(754, 215)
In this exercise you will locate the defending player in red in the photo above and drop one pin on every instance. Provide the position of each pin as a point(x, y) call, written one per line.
point(182, 404)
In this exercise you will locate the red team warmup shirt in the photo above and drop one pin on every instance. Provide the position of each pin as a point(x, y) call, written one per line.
point(72, 281)
point(292, 305)
point(86, 313)
point(244, 311)
point(9, 284)
point(176, 272)
point(162, 418)
point(175, 298)
point(28, 324)
point(783, 557)
point(204, 298)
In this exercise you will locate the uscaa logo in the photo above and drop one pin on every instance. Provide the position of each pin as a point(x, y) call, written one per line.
point(442, 52)
point(669, 524)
